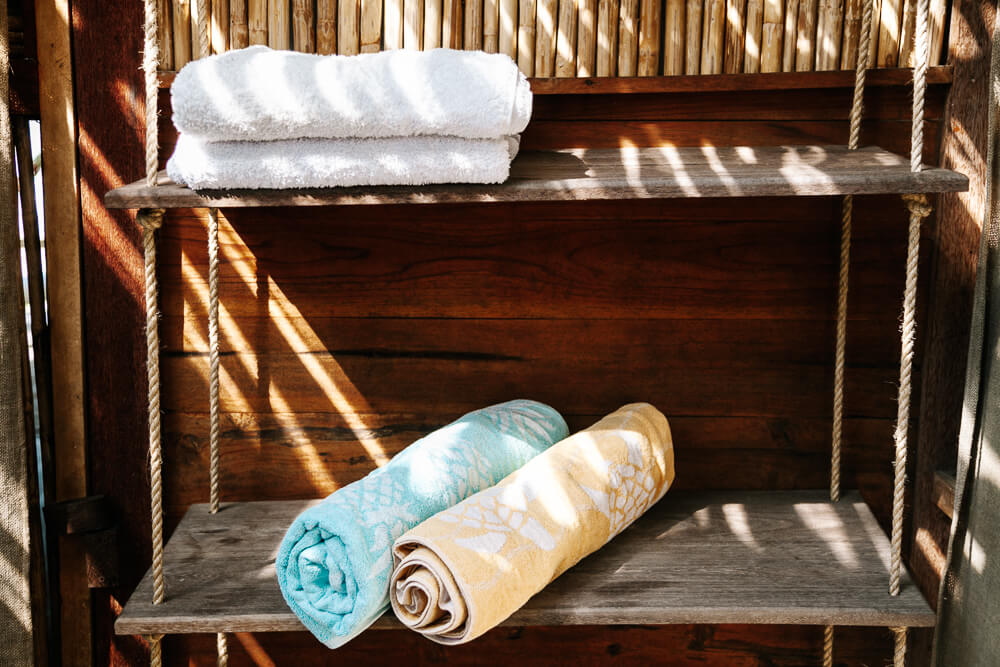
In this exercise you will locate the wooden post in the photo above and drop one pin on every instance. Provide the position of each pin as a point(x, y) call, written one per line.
point(451, 23)
point(790, 39)
point(628, 37)
point(413, 20)
point(62, 253)
point(607, 37)
point(508, 28)
point(303, 26)
point(673, 38)
point(182, 33)
point(806, 37)
point(256, 20)
point(394, 24)
point(906, 33)
point(828, 27)
point(566, 39)
point(712, 36)
point(348, 34)
point(771, 35)
point(432, 24)
point(649, 38)
point(165, 35)
point(219, 27)
point(586, 36)
point(888, 36)
point(755, 24)
point(491, 26)
point(852, 34)
point(371, 25)
point(326, 26)
point(239, 32)
point(545, 37)
point(735, 36)
point(692, 37)
point(278, 24)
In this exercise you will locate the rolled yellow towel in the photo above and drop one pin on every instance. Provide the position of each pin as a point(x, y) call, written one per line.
point(466, 569)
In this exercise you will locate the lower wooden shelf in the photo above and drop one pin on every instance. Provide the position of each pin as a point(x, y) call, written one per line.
point(784, 557)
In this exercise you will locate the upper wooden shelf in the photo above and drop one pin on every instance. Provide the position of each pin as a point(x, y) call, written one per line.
point(785, 557)
point(588, 174)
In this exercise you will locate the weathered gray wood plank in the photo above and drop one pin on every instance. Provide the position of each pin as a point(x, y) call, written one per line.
point(584, 174)
point(786, 557)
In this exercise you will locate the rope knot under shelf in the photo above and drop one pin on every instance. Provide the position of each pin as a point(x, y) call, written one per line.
point(151, 219)
point(918, 205)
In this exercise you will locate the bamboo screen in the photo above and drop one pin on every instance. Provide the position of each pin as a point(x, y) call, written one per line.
point(565, 38)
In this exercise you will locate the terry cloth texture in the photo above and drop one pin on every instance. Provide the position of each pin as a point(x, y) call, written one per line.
point(335, 560)
point(256, 94)
point(463, 571)
point(319, 163)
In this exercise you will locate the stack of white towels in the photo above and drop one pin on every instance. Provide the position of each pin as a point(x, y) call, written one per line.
point(258, 118)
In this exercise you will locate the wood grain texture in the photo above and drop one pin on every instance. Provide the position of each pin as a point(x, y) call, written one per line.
point(239, 31)
point(754, 31)
point(956, 230)
point(692, 37)
point(507, 43)
point(303, 26)
point(735, 36)
point(607, 38)
point(219, 27)
point(348, 34)
point(829, 24)
point(806, 35)
point(772, 33)
point(59, 43)
point(674, 23)
point(326, 26)
point(164, 34)
point(278, 24)
point(649, 38)
point(791, 558)
point(546, 24)
point(412, 20)
point(451, 25)
point(473, 28)
point(944, 492)
point(566, 39)
point(851, 34)
point(574, 175)
point(939, 18)
point(432, 25)
point(713, 34)
point(182, 33)
point(371, 26)
point(906, 34)
point(890, 16)
point(257, 21)
point(789, 42)
point(586, 35)
point(393, 11)
point(491, 28)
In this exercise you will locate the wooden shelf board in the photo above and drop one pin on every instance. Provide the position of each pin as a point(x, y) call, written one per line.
point(589, 174)
point(768, 557)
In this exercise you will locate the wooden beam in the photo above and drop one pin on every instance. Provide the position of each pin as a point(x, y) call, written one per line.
point(62, 245)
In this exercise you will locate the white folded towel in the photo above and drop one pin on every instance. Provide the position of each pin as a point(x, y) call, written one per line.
point(256, 94)
point(320, 163)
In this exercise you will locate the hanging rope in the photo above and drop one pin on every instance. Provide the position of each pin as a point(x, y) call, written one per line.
point(213, 358)
point(150, 58)
point(899, 652)
point(846, 214)
point(828, 646)
point(155, 651)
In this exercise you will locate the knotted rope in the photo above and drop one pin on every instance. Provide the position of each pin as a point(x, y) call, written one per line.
point(846, 213)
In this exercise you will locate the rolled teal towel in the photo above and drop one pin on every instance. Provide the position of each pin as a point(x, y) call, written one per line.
point(336, 558)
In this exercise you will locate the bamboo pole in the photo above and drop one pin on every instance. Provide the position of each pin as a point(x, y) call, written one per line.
point(394, 24)
point(828, 26)
point(790, 37)
point(566, 39)
point(771, 36)
point(649, 38)
point(371, 25)
point(182, 33)
point(938, 13)
point(586, 38)
point(906, 30)
point(219, 35)
point(451, 23)
point(165, 36)
point(712, 36)
point(432, 24)
point(413, 23)
point(628, 36)
point(545, 37)
point(673, 38)
point(607, 37)
point(852, 34)
point(257, 21)
point(326, 26)
point(278, 24)
point(491, 26)
point(303, 26)
point(805, 40)
point(348, 34)
point(692, 37)
point(888, 35)
point(735, 44)
point(874, 32)
point(752, 48)
point(507, 42)
point(239, 32)
point(473, 40)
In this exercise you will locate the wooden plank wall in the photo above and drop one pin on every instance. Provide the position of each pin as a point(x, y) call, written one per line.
point(348, 333)
point(566, 38)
